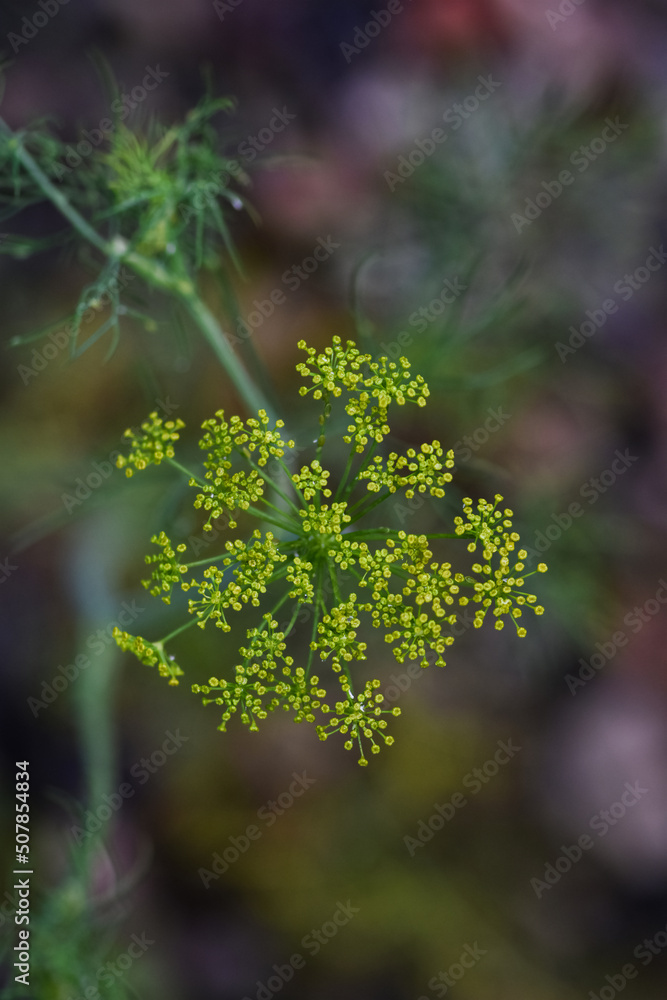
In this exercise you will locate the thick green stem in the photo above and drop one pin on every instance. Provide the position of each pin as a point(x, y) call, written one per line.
point(252, 396)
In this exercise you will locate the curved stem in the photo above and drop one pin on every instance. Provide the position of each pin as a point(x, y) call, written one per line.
point(253, 397)
point(181, 468)
point(182, 628)
point(53, 194)
point(154, 273)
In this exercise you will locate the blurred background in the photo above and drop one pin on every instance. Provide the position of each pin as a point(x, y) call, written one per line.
point(488, 178)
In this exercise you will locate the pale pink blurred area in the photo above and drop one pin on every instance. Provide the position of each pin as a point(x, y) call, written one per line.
point(311, 196)
point(554, 442)
point(579, 52)
point(610, 740)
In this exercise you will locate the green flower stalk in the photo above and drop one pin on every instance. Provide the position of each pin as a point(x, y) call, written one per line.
point(319, 550)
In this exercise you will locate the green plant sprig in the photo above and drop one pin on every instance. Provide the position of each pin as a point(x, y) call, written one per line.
point(319, 560)
point(149, 203)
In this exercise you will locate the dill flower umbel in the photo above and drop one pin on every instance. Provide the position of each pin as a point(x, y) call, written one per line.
point(320, 557)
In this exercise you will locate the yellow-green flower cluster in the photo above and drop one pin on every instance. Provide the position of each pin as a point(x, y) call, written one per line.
point(168, 569)
point(360, 716)
point(311, 481)
point(264, 682)
point(371, 386)
point(150, 653)
point(338, 634)
point(324, 551)
point(152, 446)
point(229, 492)
point(300, 575)
point(223, 436)
point(499, 587)
point(254, 565)
point(412, 628)
point(416, 469)
point(325, 520)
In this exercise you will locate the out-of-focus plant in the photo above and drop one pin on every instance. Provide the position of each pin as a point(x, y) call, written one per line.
point(154, 204)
